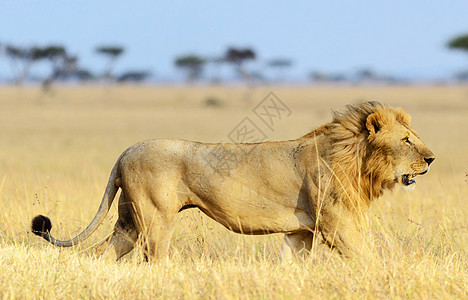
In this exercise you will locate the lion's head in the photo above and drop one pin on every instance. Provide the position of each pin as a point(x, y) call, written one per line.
point(373, 147)
point(389, 132)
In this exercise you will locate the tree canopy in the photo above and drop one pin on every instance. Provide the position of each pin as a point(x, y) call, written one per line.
point(460, 42)
point(193, 64)
point(112, 51)
point(133, 76)
point(238, 56)
point(280, 63)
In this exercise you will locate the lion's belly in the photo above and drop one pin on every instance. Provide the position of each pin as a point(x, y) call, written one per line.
point(256, 221)
point(244, 209)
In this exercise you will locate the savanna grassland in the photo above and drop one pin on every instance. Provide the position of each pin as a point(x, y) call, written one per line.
point(57, 150)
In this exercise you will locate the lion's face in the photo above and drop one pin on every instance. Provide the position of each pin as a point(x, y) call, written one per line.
point(390, 132)
point(410, 156)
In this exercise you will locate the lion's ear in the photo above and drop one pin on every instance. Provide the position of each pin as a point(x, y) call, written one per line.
point(402, 117)
point(375, 122)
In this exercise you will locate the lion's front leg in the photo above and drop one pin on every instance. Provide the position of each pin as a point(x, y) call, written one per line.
point(296, 245)
point(341, 231)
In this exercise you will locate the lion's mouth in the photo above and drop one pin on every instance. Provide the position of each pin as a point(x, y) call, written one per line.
point(408, 179)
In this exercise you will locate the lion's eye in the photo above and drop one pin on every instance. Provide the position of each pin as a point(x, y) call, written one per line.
point(406, 140)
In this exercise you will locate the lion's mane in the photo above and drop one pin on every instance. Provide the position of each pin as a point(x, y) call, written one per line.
point(361, 166)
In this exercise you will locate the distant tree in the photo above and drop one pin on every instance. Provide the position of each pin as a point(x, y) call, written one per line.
point(113, 53)
point(133, 76)
point(366, 74)
point(82, 75)
point(281, 64)
point(319, 76)
point(62, 64)
point(21, 60)
point(325, 77)
point(459, 43)
point(238, 57)
point(192, 64)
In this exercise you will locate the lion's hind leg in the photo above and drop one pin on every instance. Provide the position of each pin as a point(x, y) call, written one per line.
point(124, 236)
point(156, 237)
point(117, 245)
point(154, 217)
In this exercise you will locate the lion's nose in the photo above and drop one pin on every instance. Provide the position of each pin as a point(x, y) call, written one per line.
point(429, 160)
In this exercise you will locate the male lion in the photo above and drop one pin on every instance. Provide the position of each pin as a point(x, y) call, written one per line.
point(322, 182)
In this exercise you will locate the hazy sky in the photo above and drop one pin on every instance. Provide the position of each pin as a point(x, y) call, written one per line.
point(405, 38)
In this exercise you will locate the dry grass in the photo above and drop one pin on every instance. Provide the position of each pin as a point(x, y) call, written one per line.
point(57, 152)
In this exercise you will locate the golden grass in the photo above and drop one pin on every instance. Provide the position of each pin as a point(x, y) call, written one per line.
point(57, 151)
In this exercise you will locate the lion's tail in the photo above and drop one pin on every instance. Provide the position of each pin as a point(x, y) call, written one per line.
point(41, 225)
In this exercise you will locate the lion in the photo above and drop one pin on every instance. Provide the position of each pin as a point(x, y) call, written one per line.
point(321, 183)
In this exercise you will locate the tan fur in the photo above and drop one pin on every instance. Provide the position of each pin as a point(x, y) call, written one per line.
point(323, 182)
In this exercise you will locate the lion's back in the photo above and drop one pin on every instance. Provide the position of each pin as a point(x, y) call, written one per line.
point(155, 153)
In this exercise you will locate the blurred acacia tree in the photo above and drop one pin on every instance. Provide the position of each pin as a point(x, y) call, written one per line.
point(21, 61)
point(133, 76)
point(459, 43)
point(63, 65)
point(192, 64)
point(113, 53)
point(280, 64)
point(83, 75)
point(237, 57)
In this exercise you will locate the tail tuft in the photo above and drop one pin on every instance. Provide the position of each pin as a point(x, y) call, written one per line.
point(41, 225)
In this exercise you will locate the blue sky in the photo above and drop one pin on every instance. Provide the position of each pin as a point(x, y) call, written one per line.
point(403, 38)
